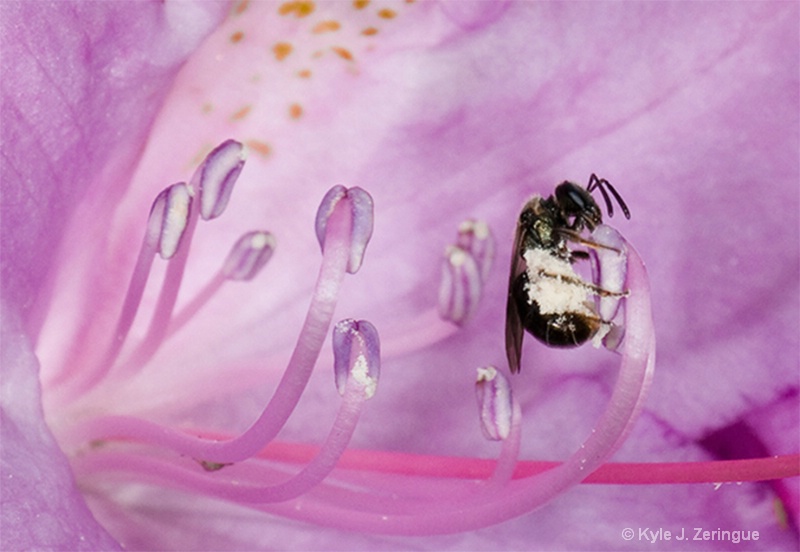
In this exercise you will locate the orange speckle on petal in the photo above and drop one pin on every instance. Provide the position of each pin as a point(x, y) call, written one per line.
point(326, 27)
point(241, 113)
point(386, 13)
point(304, 73)
point(237, 37)
point(369, 31)
point(295, 111)
point(259, 147)
point(241, 7)
point(207, 107)
point(299, 8)
point(281, 50)
point(343, 53)
point(360, 4)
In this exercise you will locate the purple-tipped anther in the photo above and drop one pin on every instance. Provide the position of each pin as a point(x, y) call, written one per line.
point(168, 219)
point(461, 286)
point(357, 355)
point(249, 255)
point(493, 391)
point(216, 176)
point(476, 237)
point(361, 217)
point(609, 272)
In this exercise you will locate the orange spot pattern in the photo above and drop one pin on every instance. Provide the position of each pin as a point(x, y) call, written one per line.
point(295, 111)
point(343, 53)
point(297, 8)
point(326, 27)
point(241, 113)
point(259, 147)
point(281, 50)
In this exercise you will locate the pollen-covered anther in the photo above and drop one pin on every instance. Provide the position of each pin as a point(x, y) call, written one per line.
point(168, 219)
point(215, 177)
point(360, 204)
point(476, 237)
point(356, 353)
point(609, 272)
point(249, 255)
point(495, 406)
point(461, 286)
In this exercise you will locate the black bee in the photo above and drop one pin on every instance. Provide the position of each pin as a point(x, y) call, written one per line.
point(545, 294)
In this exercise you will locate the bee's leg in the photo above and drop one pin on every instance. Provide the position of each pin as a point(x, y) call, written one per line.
point(597, 290)
point(574, 236)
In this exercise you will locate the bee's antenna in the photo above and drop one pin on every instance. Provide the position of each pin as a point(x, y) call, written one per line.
point(601, 183)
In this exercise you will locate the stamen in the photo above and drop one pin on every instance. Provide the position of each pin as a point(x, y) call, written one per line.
point(213, 181)
point(215, 178)
point(166, 225)
point(168, 219)
point(493, 391)
point(475, 237)
point(360, 351)
point(460, 290)
point(247, 257)
point(356, 352)
point(336, 257)
point(609, 271)
point(360, 224)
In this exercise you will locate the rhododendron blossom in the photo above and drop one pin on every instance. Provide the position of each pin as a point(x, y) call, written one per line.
point(255, 270)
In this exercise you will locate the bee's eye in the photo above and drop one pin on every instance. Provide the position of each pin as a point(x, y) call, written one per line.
point(573, 199)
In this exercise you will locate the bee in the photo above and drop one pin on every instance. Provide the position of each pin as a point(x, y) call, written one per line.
point(546, 296)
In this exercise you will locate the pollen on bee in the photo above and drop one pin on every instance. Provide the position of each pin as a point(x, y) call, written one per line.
point(554, 284)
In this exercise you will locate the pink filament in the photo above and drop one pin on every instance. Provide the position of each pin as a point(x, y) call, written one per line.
point(183, 474)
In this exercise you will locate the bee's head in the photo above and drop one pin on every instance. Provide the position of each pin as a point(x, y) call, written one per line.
point(578, 205)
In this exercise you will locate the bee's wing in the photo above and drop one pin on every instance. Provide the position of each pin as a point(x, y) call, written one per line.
point(514, 331)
